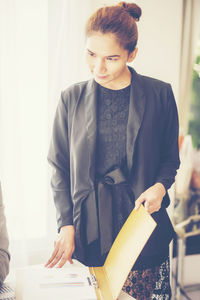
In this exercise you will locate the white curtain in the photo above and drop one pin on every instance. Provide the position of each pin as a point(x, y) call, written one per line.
point(23, 106)
point(190, 36)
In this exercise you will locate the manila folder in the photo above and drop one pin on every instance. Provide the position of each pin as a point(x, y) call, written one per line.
point(123, 254)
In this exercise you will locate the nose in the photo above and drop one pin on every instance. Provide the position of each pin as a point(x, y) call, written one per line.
point(100, 66)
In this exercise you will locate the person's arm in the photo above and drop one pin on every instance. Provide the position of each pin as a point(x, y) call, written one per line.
point(169, 159)
point(58, 157)
point(4, 243)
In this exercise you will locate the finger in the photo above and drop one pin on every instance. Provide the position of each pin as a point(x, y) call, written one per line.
point(150, 208)
point(52, 256)
point(139, 201)
point(56, 248)
point(56, 259)
point(66, 256)
point(71, 261)
point(151, 211)
point(147, 205)
point(62, 261)
point(154, 210)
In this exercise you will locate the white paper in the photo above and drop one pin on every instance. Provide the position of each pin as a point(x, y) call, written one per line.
point(67, 283)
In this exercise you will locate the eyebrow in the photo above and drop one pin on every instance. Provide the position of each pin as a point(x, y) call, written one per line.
point(116, 55)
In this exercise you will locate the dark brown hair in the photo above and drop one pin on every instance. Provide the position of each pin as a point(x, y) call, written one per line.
point(119, 20)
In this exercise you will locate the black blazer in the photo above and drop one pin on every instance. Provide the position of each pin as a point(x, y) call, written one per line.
point(152, 153)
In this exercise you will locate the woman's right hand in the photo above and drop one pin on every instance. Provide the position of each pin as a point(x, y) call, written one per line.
point(63, 247)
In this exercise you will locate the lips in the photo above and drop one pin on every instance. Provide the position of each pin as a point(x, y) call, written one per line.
point(101, 76)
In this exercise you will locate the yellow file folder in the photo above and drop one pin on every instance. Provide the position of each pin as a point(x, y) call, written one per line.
point(125, 250)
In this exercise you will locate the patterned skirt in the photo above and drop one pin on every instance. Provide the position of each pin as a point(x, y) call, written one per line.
point(149, 284)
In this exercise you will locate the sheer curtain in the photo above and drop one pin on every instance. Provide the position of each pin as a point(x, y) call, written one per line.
point(23, 105)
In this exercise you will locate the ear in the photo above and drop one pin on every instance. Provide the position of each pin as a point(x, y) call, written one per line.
point(132, 55)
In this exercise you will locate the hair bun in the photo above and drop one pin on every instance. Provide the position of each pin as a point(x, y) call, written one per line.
point(133, 9)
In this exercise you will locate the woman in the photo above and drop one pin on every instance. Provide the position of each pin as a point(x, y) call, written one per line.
point(114, 146)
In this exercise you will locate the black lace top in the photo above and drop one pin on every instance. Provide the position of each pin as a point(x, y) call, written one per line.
point(112, 119)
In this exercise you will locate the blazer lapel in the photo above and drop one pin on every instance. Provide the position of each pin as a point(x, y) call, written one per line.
point(90, 103)
point(136, 114)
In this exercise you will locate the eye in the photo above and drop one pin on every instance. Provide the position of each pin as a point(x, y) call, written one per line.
point(112, 58)
point(91, 54)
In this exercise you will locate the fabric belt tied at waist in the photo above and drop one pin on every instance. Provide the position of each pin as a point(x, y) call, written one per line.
point(105, 232)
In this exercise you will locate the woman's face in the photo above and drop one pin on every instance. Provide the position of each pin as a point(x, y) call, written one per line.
point(107, 60)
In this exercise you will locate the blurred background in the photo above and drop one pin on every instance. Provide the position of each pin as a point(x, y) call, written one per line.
point(41, 53)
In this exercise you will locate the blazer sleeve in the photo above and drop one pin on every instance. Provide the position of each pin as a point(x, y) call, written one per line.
point(169, 159)
point(59, 159)
point(4, 243)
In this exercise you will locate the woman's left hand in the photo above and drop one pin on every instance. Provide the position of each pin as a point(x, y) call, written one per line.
point(152, 198)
